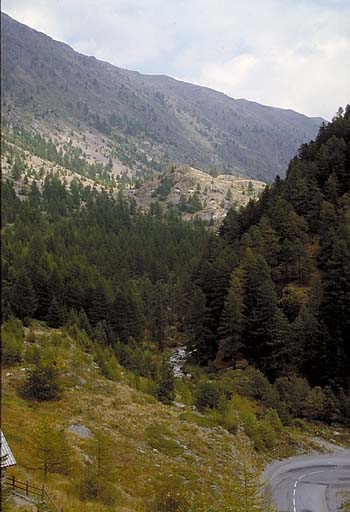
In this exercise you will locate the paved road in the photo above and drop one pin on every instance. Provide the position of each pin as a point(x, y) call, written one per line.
point(309, 483)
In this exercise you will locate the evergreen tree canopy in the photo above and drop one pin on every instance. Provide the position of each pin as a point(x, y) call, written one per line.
point(288, 306)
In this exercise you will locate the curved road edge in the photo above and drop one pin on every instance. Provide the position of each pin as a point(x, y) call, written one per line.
point(308, 483)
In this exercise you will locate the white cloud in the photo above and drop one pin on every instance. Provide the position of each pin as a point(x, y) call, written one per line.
point(288, 53)
point(231, 74)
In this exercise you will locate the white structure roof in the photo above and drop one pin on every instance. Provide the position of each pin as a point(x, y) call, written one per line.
point(6, 451)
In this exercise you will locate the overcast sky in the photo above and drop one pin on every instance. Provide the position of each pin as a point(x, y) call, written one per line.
point(286, 53)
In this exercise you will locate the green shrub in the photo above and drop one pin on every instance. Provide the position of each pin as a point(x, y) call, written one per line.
point(160, 438)
point(302, 425)
point(201, 421)
point(136, 358)
point(261, 432)
point(250, 383)
point(228, 417)
point(171, 496)
point(166, 383)
point(32, 355)
point(207, 396)
point(31, 337)
point(42, 382)
point(183, 391)
point(266, 434)
point(107, 362)
point(148, 386)
point(293, 390)
point(313, 406)
point(80, 336)
point(97, 487)
point(235, 381)
point(12, 336)
point(271, 415)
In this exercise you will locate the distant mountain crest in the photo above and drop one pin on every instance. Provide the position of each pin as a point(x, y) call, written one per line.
point(142, 121)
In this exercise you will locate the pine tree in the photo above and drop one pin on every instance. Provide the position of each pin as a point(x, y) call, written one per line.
point(50, 451)
point(100, 333)
point(335, 305)
point(331, 406)
point(24, 301)
point(98, 303)
point(232, 322)
point(332, 189)
point(279, 359)
point(260, 301)
point(166, 383)
point(197, 327)
point(56, 315)
point(18, 168)
point(43, 382)
point(308, 345)
point(12, 341)
point(126, 316)
point(84, 323)
point(249, 495)
point(96, 483)
point(270, 242)
point(230, 229)
point(159, 314)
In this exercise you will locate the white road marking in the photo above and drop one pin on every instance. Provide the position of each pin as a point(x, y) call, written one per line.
point(296, 483)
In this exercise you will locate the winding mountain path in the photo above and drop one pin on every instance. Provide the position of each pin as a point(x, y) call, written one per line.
point(309, 483)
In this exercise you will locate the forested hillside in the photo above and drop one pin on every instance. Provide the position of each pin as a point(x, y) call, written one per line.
point(79, 252)
point(274, 287)
point(27, 157)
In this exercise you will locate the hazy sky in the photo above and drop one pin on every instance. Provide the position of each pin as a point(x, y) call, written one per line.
point(287, 53)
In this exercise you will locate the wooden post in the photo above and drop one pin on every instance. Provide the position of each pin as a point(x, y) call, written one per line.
point(42, 492)
point(27, 488)
point(13, 483)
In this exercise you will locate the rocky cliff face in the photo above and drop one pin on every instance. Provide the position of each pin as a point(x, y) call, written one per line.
point(197, 194)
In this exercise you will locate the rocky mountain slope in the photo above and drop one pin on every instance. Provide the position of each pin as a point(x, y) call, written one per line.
point(197, 194)
point(138, 121)
point(194, 193)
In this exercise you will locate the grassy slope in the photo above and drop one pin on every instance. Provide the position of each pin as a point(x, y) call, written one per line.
point(152, 444)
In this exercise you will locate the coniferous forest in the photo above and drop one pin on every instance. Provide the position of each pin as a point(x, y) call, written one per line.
point(274, 287)
point(78, 255)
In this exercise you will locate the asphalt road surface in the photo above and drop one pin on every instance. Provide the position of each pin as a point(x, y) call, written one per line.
point(309, 483)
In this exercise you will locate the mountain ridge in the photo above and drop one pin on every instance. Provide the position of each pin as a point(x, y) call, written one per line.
point(156, 119)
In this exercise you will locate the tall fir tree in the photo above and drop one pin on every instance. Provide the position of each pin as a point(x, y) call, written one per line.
point(232, 322)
